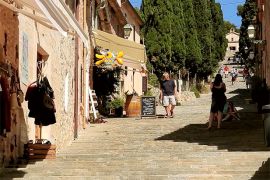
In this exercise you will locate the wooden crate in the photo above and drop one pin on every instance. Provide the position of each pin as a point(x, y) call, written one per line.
point(40, 151)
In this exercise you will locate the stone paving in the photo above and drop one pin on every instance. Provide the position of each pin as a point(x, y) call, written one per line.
point(157, 149)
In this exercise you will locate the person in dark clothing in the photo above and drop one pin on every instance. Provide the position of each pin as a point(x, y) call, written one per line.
point(167, 94)
point(218, 89)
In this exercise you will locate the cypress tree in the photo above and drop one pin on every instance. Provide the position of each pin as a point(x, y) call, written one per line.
point(219, 32)
point(205, 36)
point(157, 16)
point(193, 51)
point(178, 37)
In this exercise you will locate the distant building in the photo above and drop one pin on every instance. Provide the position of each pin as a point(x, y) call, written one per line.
point(233, 43)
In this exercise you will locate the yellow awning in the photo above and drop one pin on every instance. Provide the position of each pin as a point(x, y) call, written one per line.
point(134, 53)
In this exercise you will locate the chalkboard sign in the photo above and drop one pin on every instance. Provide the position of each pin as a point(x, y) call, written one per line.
point(148, 106)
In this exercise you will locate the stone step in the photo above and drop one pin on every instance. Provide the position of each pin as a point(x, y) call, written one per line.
point(140, 177)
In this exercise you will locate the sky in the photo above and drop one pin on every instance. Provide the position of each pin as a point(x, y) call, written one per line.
point(229, 8)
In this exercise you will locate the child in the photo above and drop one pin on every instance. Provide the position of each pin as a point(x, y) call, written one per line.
point(230, 112)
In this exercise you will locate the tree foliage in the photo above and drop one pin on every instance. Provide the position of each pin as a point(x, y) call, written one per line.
point(193, 50)
point(219, 31)
point(228, 26)
point(247, 12)
point(178, 37)
point(157, 16)
point(186, 34)
point(205, 35)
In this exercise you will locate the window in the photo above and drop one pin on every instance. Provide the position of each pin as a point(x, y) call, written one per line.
point(232, 48)
point(232, 39)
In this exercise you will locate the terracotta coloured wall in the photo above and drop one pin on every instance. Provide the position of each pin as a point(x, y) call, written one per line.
point(9, 40)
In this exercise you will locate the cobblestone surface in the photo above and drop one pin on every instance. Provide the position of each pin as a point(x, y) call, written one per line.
point(157, 149)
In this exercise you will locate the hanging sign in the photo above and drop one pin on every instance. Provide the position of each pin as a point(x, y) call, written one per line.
point(108, 59)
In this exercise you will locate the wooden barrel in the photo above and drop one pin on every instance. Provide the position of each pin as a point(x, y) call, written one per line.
point(133, 106)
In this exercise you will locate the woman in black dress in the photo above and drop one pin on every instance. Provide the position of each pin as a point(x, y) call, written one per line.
point(218, 89)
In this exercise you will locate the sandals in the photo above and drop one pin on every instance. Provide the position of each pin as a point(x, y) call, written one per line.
point(172, 115)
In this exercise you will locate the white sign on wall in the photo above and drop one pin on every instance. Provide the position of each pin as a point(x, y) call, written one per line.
point(24, 62)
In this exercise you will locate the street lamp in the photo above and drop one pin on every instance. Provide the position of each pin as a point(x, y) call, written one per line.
point(251, 31)
point(127, 30)
point(251, 35)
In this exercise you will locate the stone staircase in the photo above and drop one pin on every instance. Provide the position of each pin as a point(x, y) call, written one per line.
point(157, 149)
point(114, 152)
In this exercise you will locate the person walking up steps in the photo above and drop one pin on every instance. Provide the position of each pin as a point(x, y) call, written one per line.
point(218, 89)
point(226, 71)
point(167, 94)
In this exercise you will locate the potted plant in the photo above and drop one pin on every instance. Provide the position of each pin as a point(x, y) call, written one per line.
point(117, 104)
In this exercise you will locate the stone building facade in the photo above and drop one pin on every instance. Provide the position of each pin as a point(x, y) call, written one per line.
point(36, 42)
point(109, 26)
point(233, 44)
point(33, 45)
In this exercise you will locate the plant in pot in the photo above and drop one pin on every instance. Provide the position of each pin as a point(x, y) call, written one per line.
point(117, 104)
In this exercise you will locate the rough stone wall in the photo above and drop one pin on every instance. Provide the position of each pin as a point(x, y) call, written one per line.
point(60, 63)
point(9, 150)
point(8, 25)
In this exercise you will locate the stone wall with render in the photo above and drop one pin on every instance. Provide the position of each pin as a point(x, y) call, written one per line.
point(61, 51)
point(59, 67)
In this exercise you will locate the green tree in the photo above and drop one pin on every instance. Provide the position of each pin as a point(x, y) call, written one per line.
point(219, 32)
point(205, 36)
point(178, 37)
point(228, 26)
point(157, 30)
point(193, 50)
point(248, 11)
